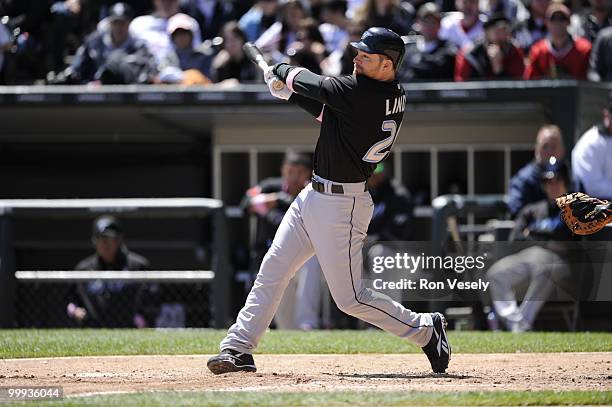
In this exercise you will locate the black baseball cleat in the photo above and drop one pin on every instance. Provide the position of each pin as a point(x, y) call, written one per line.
point(230, 360)
point(438, 350)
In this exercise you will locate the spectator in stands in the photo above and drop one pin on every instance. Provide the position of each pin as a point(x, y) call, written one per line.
point(316, 8)
point(140, 7)
point(97, 10)
point(525, 186)
point(493, 57)
point(463, 27)
point(184, 64)
point(231, 63)
point(26, 20)
point(393, 14)
point(109, 304)
point(269, 201)
point(308, 50)
point(241, 7)
point(258, 19)
point(534, 28)
point(429, 58)
point(5, 44)
point(543, 266)
point(103, 56)
point(592, 158)
point(334, 28)
point(152, 29)
point(340, 62)
point(514, 10)
point(211, 15)
point(588, 22)
point(276, 39)
point(558, 55)
point(63, 34)
point(600, 62)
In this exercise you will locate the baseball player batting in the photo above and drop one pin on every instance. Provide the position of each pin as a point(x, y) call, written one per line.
point(360, 117)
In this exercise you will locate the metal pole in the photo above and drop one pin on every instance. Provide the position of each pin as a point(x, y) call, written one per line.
point(7, 274)
point(221, 295)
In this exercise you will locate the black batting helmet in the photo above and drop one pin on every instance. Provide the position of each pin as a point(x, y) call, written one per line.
point(378, 40)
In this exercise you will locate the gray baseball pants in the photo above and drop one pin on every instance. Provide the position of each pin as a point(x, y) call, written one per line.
point(332, 226)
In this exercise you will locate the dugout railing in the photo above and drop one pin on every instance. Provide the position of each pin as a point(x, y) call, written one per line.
point(219, 277)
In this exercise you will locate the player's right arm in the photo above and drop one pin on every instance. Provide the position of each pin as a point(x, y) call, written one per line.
point(312, 106)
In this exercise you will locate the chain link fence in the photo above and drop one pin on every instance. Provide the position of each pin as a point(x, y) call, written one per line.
point(113, 299)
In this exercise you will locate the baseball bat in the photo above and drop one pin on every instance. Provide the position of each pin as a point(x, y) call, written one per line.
point(257, 57)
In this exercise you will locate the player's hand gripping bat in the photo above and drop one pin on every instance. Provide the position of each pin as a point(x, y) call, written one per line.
point(255, 55)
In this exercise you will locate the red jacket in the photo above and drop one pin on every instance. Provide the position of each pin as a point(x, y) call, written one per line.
point(474, 63)
point(544, 62)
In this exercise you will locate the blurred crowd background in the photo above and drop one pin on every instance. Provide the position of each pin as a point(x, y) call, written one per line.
point(199, 41)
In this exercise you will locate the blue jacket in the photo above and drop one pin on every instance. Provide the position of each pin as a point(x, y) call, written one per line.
point(250, 23)
point(525, 188)
point(96, 53)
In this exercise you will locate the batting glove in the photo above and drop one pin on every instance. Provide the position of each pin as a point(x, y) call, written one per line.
point(278, 89)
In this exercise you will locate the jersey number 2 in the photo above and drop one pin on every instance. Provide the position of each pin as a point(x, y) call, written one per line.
point(380, 150)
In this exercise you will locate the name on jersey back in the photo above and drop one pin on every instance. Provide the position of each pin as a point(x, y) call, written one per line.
point(396, 105)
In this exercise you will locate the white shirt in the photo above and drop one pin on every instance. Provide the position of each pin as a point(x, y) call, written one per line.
point(152, 31)
point(351, 6)
point(592, 163)
point(269, 42)
point(451, 30)
point(207, 8)
point(335, 38)
point(426, 47)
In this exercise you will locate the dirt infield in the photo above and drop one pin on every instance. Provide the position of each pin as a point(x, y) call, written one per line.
point(480, 372)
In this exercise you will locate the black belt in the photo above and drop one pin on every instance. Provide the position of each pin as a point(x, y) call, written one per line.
point(320, 187)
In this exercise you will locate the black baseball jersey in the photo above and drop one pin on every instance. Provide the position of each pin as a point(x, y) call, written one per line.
point(360, 119)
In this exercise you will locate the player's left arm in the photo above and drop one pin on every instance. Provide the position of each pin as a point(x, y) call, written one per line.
point(331, 91)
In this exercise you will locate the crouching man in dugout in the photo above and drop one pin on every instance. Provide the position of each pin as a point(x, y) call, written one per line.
point(110, 304)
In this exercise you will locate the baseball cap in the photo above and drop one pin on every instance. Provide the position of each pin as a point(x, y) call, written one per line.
point(555, 8)
point(335, 5)
point(495, 19)
point(555, 168)
point(120, 11)
point(429, 10)
point(181, 21)
point(293, 158)
point(107, 226)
